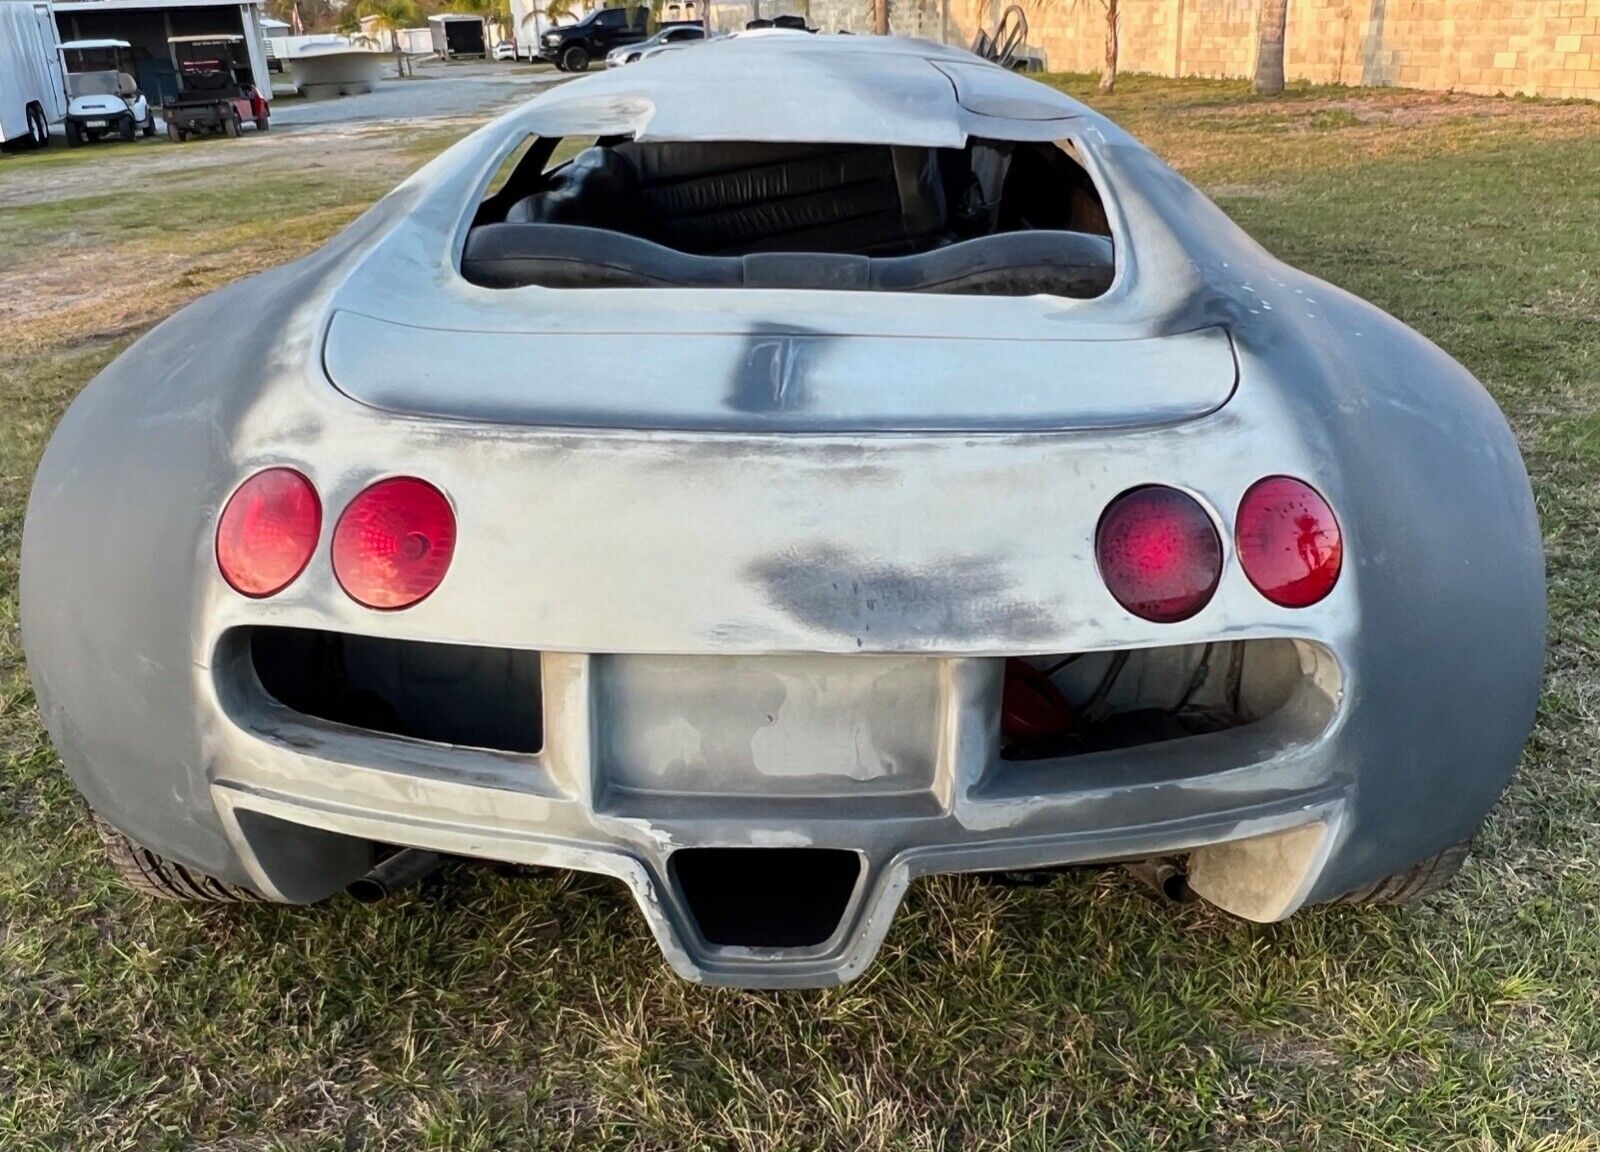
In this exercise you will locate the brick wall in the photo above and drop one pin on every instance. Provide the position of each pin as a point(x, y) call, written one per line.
point(1535, 47)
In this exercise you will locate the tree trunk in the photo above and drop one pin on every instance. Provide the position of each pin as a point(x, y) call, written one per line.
point(1108, 75)
point(1270, 32)
point(880, 17)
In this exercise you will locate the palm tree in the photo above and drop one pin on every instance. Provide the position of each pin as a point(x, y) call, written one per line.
point(492, 11)
point(1270, 32)
point(393, 17)
point(1108, 73)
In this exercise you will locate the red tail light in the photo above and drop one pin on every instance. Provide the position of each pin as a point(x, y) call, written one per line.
point(1030, 703)
point(268, 531)
point(1159, 553)
point(1289, 542)
point(393, 544)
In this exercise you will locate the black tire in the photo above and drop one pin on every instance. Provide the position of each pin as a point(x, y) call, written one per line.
point(128, 128)
point(38, 126)
point(162, 879)
point(230, 126)
point(149, 126)
point(74, 134)
point(261, 124)
point(575, 59)
point(1416, 882)
point(174, 133)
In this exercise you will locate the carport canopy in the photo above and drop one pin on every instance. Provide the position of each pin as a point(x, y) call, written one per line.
point(150, 24)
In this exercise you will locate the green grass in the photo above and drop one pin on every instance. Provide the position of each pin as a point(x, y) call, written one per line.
point(518, 1012)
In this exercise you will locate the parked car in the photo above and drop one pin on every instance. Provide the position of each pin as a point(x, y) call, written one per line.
point(685, 33)
point(943, 484)
point(572, 48)
point(505, 50)
point(103, 98)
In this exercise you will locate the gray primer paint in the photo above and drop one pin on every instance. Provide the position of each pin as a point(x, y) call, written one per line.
point(616, 534)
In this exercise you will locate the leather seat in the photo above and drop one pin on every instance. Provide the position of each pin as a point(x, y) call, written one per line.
point(1071, 264)
point(737, 198)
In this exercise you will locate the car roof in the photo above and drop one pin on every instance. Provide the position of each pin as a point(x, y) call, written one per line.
point(210, 38)
point(786, 86)
point(78, 45)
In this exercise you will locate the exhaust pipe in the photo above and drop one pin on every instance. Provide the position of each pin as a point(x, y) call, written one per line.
point(1165, 876)
point(405, 867)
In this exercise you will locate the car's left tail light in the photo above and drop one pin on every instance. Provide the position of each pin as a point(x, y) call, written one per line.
point(393, 543)
point(268, 531)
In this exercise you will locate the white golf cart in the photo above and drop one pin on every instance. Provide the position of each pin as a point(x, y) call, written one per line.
point(103, 98)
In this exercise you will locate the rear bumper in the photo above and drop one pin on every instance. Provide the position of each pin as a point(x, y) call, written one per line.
point(893, 759)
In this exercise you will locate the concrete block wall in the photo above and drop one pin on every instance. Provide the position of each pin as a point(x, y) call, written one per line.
point(1533, 47)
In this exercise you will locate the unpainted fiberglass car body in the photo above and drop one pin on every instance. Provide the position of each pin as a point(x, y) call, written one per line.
point(854, 462)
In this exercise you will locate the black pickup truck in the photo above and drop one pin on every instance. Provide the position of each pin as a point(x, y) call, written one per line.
point(571, 48)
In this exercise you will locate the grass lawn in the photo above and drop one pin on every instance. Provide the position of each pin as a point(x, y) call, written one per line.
point(494, 1012)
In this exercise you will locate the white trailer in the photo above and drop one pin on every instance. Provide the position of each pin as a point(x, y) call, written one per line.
point(32, 95)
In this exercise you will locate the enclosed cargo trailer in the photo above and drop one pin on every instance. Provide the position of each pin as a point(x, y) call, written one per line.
point(32, 95)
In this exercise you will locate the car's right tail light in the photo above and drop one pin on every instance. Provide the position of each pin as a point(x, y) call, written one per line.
point(1159, 553)
point(1289, 541)
point(393, 543)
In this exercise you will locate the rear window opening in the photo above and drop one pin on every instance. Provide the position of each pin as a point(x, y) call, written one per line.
point(766, 897)
point(994, 218)
point(1080, 703)
point(445, 693)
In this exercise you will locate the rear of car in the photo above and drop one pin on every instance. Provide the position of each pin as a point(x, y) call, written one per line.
point(768, 523)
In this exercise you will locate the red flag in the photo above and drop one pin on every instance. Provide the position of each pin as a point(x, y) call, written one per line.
point(295, 26)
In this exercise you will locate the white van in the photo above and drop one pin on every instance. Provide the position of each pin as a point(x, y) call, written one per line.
point(32, 95)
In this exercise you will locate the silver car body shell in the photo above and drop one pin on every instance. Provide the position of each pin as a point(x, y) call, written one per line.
point(727, 501)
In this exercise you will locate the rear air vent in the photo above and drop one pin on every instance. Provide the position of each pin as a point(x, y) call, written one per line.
point(445, 693)
point(766, 897)
point(1082, 703)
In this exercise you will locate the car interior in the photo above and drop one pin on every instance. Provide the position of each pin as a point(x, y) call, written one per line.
point(993, 218)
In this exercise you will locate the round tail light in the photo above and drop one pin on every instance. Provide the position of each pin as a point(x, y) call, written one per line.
point(1289, 542)
point(392, 546)
point(1159, 553)
point(267, 532)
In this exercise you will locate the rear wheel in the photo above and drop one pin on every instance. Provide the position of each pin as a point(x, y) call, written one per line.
point(1419, 880)
point(261, 123)
point(230, 126)
point(155, 876)
point(149, 126)
point(74, 134)
point(38, 127)
point(174, 133)
point(575, 59)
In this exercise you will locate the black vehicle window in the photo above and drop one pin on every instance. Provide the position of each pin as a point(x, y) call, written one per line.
point(609, 17)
